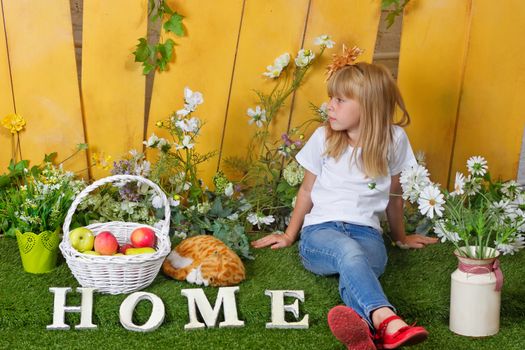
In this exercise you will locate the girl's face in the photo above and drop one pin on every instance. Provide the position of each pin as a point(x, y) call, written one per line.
point(344, 114)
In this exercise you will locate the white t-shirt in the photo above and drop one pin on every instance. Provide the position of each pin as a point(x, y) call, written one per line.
point(340, 191)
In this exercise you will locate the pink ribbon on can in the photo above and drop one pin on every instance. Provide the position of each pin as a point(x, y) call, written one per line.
point(482, 269)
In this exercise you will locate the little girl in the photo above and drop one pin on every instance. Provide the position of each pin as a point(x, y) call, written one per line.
point(351, 164)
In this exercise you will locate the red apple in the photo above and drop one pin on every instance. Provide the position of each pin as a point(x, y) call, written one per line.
point(125, 247)
point(106, 243)
point(143, 237)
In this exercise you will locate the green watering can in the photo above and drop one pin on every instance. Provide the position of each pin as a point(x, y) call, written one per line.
point(38, 251)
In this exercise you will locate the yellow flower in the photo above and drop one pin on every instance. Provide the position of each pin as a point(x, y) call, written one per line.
point(14, 123)
point(101, 161)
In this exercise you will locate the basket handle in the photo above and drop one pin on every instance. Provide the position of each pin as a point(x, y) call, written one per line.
point(110, 179)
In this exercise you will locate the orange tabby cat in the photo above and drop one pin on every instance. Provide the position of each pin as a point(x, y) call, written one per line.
point(204, 260)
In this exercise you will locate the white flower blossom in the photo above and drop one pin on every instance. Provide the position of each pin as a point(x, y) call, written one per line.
point(204, 207)
point(183, 112)
point(151, 142)
point(324, 40)
point(510, 189)
point(477, 166)
point(472, 185)
point(421, 158)
point(459, 185)
point(257, 115)
point(188, 125)
point(156, 202)
point(156, 142)
point(180, 234)
point(192, 99)
point(228, 190)
point(444, 234)
point(304, 57)
point(233, 217)
point(413, 180)
point(293, 173)
point(431, 201)
point(186, 143)
point(513, 246)
point(274, 71)
point(258, 219)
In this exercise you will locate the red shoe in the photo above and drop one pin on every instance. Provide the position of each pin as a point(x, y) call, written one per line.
point(350, 329)
point(408, 335)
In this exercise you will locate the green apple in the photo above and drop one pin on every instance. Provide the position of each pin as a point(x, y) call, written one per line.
point(144, 250)
point(82, 239)
point(91, 252)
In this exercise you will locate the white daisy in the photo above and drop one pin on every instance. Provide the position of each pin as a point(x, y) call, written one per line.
point(282, 61)
point(273, 71)
point(413, 180)
point(258, 116)
point(510, 189)
point(431, 201)
point(459, 185)
point(514, 245)
point(477, 166)
point(324, 40)
point(304, 57)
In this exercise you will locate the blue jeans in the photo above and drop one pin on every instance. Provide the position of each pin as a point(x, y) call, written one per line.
point(356, 253)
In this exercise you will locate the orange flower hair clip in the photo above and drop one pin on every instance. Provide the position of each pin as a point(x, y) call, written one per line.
point(346, 59)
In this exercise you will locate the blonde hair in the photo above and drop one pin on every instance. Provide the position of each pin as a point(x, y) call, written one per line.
point(373, 87)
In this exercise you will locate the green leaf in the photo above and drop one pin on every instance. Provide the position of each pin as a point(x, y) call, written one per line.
point(50, 157)
point(385, 4)
point(143, 51)
point(148, 67)
point(20, 166)
point(174, 24)
point(82, 146)
point(4, 180)
point(35, 171)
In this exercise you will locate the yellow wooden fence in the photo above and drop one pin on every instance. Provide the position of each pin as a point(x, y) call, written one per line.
point(460, 71)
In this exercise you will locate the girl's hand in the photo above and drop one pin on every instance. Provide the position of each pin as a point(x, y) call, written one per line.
point(416, 241)
point(275, 240)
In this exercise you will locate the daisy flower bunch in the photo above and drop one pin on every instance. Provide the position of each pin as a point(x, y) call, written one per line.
point(477, 212)
point(176, 167)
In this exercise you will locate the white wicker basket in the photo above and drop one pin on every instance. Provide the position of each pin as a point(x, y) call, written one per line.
point(117, 274)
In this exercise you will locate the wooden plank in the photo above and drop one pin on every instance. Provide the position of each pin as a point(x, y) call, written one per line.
point(204, 61)
point(433, 45)
point(6, 99)
point(347, 22)
point(113, 87)
point(269, 28)
point(492, 109)
point(45, 81)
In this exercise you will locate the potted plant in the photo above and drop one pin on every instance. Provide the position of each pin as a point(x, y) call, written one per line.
point(33, 208)
point(483, 218)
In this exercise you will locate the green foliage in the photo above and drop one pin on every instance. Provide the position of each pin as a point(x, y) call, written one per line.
point(395, 8)
point(41, 203)
point(157, 56)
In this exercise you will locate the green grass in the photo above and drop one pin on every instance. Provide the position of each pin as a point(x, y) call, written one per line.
point(417, 282)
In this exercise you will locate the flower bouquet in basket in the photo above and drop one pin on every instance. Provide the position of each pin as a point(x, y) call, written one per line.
point(480, 216)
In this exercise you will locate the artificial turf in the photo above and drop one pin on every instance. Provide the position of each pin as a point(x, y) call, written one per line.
point(417, 282)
